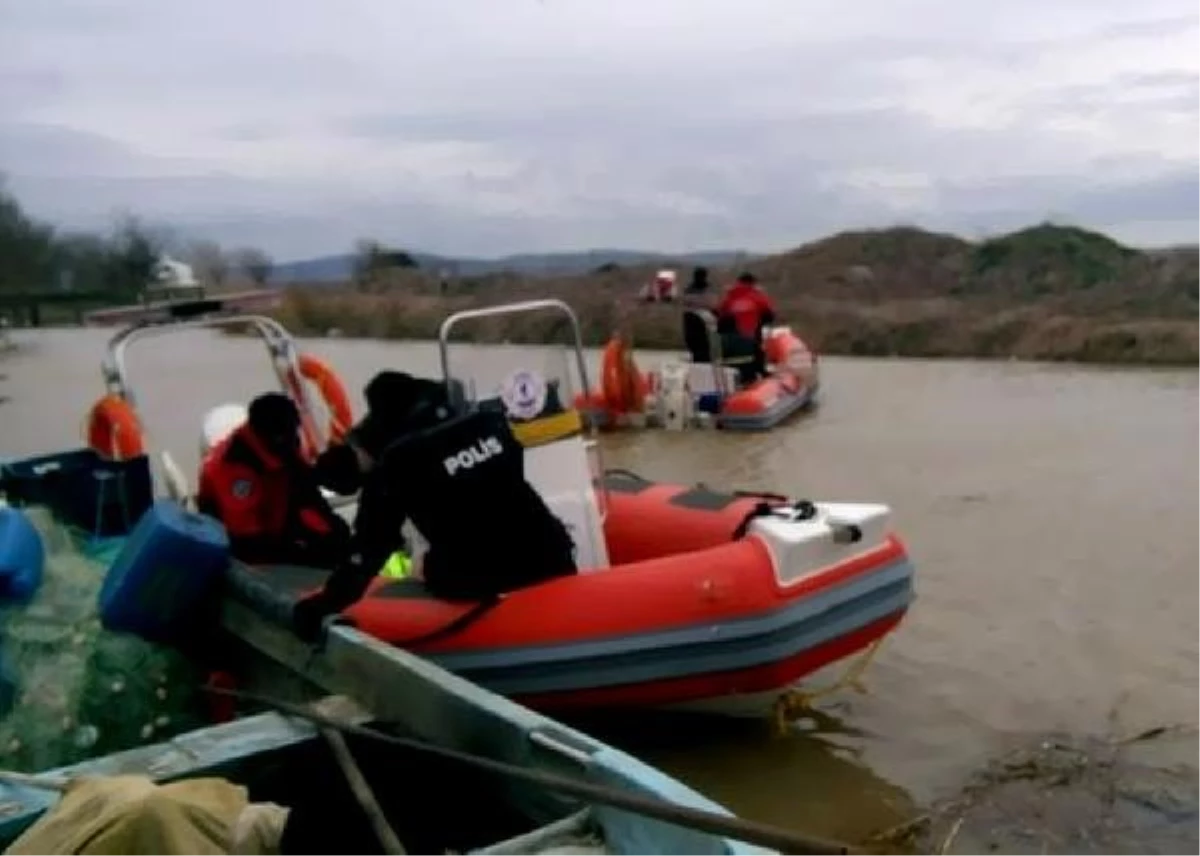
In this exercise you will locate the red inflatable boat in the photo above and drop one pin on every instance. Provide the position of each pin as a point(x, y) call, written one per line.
point(708, 596)
point(705, 390)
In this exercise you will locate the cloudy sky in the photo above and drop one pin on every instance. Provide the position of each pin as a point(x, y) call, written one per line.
point(494, 126)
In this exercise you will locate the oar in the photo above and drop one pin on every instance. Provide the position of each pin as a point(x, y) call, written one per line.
point(761, 834)
point(362, 792)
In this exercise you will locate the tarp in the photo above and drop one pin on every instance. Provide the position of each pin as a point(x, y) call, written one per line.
point(131, 814)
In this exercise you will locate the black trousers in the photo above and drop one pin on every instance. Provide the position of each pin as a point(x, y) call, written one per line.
point(479, 577)
point(737, 346)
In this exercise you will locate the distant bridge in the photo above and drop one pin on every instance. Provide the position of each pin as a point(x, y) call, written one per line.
point(258, 300)
point(101, 308)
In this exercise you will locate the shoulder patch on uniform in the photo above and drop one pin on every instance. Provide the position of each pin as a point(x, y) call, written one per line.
point(242, 488)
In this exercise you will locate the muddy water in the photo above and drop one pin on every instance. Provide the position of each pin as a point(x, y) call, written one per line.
point(1052, 513)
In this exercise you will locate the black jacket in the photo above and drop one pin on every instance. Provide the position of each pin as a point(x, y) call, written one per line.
point(462, 484)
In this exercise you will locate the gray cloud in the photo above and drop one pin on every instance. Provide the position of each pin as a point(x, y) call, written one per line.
point(21, 88)
point(478, 127)
point(29, 150)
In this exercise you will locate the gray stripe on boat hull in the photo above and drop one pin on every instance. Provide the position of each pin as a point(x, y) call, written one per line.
point(805, 609)
point(783, 408)
point(694, 651)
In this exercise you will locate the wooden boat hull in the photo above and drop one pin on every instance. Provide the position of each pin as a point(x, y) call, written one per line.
point(430, 704)
point(395, 686)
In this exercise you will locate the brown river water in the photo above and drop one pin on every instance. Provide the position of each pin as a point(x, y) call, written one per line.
point(1051, 512)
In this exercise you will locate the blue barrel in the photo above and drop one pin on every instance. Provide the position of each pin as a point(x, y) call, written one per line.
point(166, 575)
point(22, 555)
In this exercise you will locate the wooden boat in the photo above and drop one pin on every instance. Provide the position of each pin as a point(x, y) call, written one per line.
point(431, 807)
point(281, 760)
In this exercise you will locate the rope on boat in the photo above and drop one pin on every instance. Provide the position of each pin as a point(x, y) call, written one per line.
point(622, 473)
point(797, 703)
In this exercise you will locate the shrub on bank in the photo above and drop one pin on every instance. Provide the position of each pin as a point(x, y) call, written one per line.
point(1046, 292)
point(943, 327)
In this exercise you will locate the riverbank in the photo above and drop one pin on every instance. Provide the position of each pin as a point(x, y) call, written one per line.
point(1051, 293)
point(915, 327)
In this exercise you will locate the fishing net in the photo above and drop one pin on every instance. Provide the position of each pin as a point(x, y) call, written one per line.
point(70, 690)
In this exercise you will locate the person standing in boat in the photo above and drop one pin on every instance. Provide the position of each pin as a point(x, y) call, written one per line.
point(663, 289)
point(696, 296)
point(460, 480)
point(742, 313)
point(698, 313)
point(257, 484)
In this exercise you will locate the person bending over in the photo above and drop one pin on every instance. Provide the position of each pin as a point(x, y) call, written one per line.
point(397, 404)
point(460, 480)
point(343, 466)
point(258, 485)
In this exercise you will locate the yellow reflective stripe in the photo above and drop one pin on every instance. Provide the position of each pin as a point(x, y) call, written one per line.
point(547, 429)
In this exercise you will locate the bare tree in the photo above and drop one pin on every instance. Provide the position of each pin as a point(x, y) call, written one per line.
point(372, 260)
point(209, 261)
point(135, 250)
point(366, 261)
point(255, 264)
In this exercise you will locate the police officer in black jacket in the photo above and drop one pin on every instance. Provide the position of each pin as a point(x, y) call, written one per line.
point(460, 479)
point(397, 405)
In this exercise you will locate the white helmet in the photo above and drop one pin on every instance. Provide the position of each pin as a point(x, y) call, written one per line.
point(219, 423)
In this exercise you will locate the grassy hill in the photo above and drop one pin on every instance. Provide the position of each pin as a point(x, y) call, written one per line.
point(1045, 292)
point(334, 269)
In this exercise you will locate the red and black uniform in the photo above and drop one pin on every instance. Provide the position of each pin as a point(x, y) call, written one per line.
point(271, 506)
point(742, 313)
point(747, 307)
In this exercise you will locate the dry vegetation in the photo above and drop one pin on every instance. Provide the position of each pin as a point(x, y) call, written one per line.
point(1061, 794)
point(1045, 293)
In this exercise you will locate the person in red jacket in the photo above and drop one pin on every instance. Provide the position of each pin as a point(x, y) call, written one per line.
point(258, 485)
point(745, 309)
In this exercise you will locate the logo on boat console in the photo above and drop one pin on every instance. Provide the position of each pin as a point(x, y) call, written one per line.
point(478, 452)
point(524, 394)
